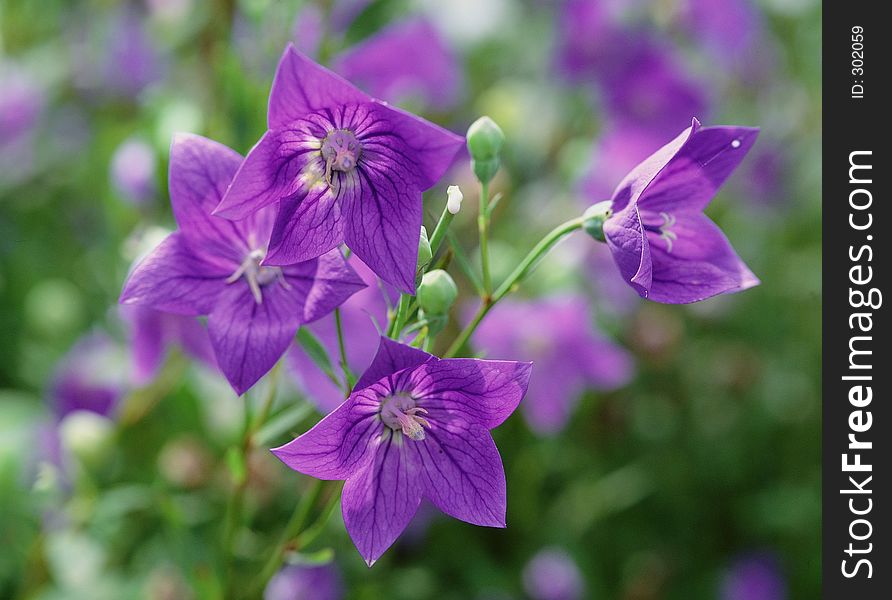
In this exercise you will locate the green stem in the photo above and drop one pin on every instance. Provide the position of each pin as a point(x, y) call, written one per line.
point(292, 529)
point(349, 379)
point(439, 234)
point(483, 229)
point(402, 313)
point(514, 279)
point(308, 536)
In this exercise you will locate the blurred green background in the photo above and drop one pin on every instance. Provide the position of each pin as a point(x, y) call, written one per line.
point(660, 489)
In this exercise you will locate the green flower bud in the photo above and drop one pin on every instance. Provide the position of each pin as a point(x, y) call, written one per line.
point(437, 292)
point(485, 140)
point(594, 217)
point(424, 250)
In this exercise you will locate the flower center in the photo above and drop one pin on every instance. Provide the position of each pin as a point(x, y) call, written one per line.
point(664, 229)
point(257, 276)
point(341, 151)
point(400, 414)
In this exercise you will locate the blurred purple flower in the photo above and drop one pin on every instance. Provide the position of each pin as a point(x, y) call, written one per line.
point(92, 376)
point(308, 27)
point(557, 335)
point(211, 266)
point(340, 166)
point(754, 577)
point(344, 12)
point(728, 29)
point(362, 316)
point(303, 582)
point(153, 332)
point(764, 177)
point(663, 244)
point(415, 427)
point(21, 102)
point(553, 575)
point(131, 61)
point(617, 151)
point(379, 65)
point(133, 170)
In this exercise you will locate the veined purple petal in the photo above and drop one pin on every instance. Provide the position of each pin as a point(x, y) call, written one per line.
point(380, 500)
point(390, 358)
point(462, 472)
point(338, 445)
point(628, 244)
point(200, 173)
point(173, 279)
point(479, 392)
point(322, 284)
point(302, 86)
point(384, 224)
point(701, 263)
point(379, 65)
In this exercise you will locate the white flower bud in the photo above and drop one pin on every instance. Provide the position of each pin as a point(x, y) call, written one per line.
point(453, 199)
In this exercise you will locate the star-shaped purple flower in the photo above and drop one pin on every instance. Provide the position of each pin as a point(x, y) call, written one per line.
point(415, 427)
point(342, 166)
point(212, 266)
point(664, 245)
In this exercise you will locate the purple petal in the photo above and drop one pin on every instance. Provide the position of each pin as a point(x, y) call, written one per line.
point(701, 264)
point(338, 445)
point(390, 358)
point(379, 501)
point(379, 65)
point(462, 472)
point(429, 148)
point(310, 223)
point(200, 173)
point(322, 284)
point(384, 224)
point(627, 240)
point(480, 392)
point(272, 171)
point(701, 165)
point(302, 86)
point(173, 279)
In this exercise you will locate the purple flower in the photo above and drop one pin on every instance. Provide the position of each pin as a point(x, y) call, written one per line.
point(342, 166)
point(92, 376)
point(729, 29)
point(552, 575)
point(570, 356)
point(415, 427)
point(21, 102)
point(133, 170)
point(754, 577)
point(379, 65)
point(131, 61)
point(664, 245)
point(152, 332)
point(362, 317)
point(300, 582)
point(211, 266)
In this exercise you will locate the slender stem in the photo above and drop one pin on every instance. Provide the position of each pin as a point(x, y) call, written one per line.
point(525, 267)
point(483, 229)
point(402, 313)
point(439, 233)
point(309, 535)
point(349, 379)
point(292, 529)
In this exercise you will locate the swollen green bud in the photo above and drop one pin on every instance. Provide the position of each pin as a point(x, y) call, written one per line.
point(437, 292)
point(88, 436)
point(594, 217)
point(424, 250)
point(485, 140)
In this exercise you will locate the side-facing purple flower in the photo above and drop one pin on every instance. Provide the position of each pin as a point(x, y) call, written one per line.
point(415, 427)
point(664, 245)
point(379, 65)
point(341, 166)
point(570, 356)
point(362, 317)
point(152, 332)
point(212, 266)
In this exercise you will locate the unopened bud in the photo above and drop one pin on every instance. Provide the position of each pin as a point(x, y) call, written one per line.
point(437, 292)
point(424, 250)
point(88, 436)
point(485, 140)
point(453, 199)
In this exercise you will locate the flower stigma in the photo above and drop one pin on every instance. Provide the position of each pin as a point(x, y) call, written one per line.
point(257, 276)
point(341, 151)
point(400, 413)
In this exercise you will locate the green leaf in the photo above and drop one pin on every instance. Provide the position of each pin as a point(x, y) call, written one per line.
point(317, 353)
